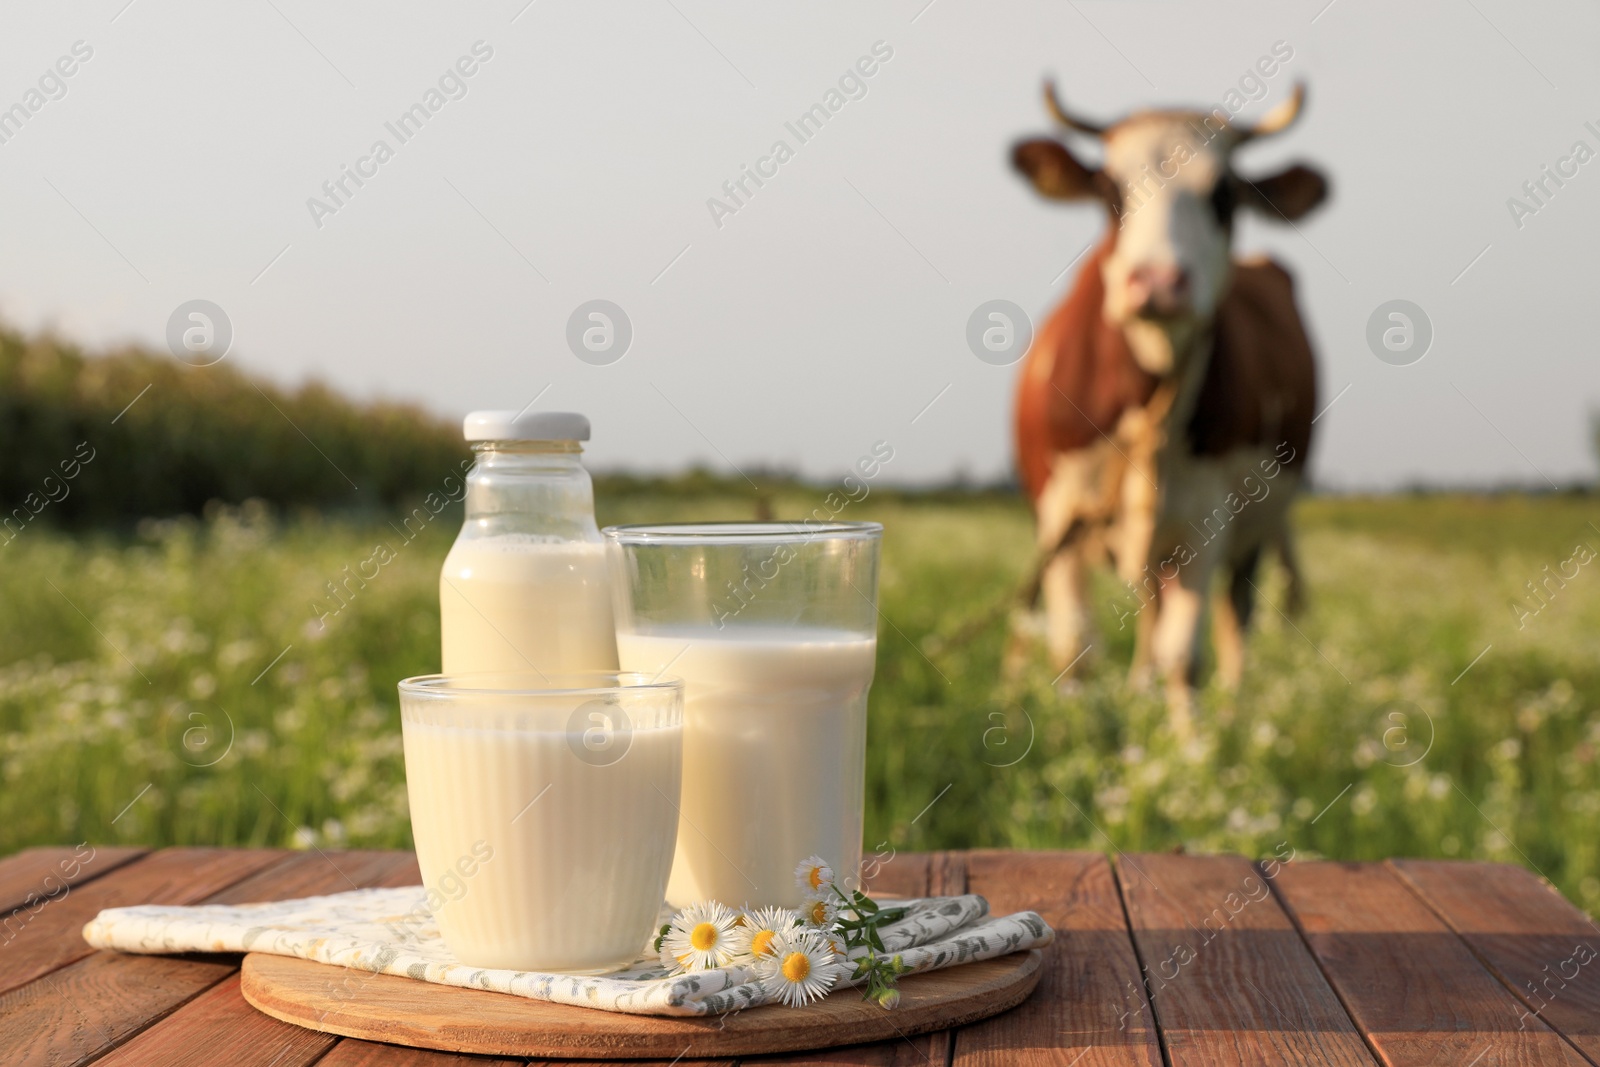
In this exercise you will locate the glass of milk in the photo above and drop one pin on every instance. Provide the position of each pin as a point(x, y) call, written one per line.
point(544, 812)
point(773, 627)
point(524, 586)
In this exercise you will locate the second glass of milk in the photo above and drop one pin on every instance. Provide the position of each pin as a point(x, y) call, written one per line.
point(524, 587)
point(773, 628)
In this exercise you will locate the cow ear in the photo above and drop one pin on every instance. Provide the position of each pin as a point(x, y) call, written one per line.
point(1290, 194)
point(1054, 171)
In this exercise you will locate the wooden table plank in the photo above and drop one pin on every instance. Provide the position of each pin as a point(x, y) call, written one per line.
point(72, 1014)
point(36, 874)
point(633, 1063)
point(1544, 949)
point(52, 936)
point(218, 1026)
point(1089, 1009)
point(910, 1052)
point(1230, 980)
point(616, 1063)
point(311, 874)
point(1412, 986)
point(223, 1010)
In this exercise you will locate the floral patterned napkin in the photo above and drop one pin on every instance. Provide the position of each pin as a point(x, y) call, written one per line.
point(389, 931)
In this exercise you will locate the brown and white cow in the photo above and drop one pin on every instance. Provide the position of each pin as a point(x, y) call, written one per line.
point(1164, 411)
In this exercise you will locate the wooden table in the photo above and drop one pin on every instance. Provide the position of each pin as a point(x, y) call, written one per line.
point(1160, 959)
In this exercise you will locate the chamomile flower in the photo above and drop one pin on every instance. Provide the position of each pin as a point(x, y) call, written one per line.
point(838, 945)
point(813, 875)
point(818, 912)
point(800, 969)
point(765, 924)
point(701, 937)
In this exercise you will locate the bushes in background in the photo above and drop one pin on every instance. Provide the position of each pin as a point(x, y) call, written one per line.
point(71, 455)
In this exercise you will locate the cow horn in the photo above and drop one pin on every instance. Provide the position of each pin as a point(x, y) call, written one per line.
point(1280, 118)
point(1061, 116)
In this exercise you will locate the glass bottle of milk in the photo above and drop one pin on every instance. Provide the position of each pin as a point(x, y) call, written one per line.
point(524, 586)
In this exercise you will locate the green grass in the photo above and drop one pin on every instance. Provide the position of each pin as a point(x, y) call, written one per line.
point(139, 660)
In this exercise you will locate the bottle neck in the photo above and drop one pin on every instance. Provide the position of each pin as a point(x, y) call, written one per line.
point(530, 487)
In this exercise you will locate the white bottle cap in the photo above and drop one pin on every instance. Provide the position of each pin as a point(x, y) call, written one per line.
point(526, 426)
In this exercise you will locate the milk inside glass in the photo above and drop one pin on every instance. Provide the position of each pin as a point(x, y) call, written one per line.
point(519, 601)
point(544, 826)
point(774, 744)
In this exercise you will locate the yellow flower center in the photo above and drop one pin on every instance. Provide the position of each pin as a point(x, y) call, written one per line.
point(761, 943)
point(704, 936)
point(796, 965)
point(815, 878)
point(819, 912)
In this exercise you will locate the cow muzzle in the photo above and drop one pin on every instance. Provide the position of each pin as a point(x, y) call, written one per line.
point(1160, 292)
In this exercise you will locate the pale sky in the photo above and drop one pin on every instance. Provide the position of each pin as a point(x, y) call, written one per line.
point(830, 311)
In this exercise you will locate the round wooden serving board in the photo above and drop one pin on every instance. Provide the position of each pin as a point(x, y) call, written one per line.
point(403, 1011)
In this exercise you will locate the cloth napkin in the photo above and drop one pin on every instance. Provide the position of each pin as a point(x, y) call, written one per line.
point(389, 931)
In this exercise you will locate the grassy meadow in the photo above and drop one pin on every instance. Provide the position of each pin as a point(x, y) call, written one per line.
point(171, 684)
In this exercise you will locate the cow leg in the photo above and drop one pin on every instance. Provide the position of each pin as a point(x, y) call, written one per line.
point(1242, 587)
point(1067, 497)
point(1176, 641)
point(1026, 629)
point(1227, 636)
point(1284, 543)
point(1132, 538)
point(1231, 618)
point(1066, 608)
point(1142, 669)
point(1175, 656)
